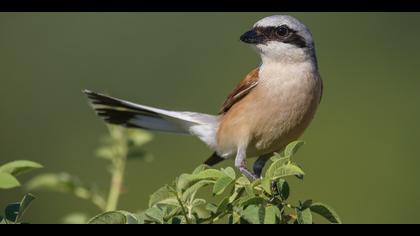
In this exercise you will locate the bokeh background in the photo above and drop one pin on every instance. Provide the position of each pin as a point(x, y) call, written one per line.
point(361, 155)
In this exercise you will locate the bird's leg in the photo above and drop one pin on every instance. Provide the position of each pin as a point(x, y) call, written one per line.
point(240, 163)
point(260, 163)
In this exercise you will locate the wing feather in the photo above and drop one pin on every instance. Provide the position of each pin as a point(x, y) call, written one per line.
point(243, 88)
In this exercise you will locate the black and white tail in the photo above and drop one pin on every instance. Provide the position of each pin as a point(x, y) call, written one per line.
point(128, 114)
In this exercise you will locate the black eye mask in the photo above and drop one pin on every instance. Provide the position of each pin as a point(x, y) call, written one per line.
point(262, 35)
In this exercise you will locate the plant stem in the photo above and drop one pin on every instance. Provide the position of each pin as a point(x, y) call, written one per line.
point(184, 212)
point(118, 170)
point(116, 184)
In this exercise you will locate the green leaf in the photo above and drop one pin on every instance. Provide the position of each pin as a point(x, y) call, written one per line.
point(75, 218)
point(19, 167)
point(292, 148)
point(211, 174)
point(139, 137)
point(199, 169)
point(249, 191)
point(8, 181)
point(274, 188)
point(61, 182)
point(326, 212)
point(243, 181)
point(160, 195)
point(223, 205)
point(12, 211)
point(221, 184)
point(191, 191)
point(304, 216)
point(305, 204)
point(266, 184)
point(170, 212)
point(141, 217)
point(155, 214)
point(198, 202)
point(114, 217)
point(254, 214)
point(24, 205)
point(271, 215)
point(2, 220)
point(289, 169)
point(184, 181)
point(278, 156)
point(237, 193)
point(283, 189)
point(65, 183)
point(169, 202)
point(111, 217)
point(229, 171)
point(105, 152)
point(201, 212)
point(277, 163)
point(212, 207)
point(252, 201)
point(131, 218)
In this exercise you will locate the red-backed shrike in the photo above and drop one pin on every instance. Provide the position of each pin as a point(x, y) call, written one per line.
point(271, 107)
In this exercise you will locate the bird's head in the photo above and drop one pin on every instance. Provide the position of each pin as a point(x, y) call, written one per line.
point(281, 38)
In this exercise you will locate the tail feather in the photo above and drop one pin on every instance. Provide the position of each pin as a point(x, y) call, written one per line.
point(128, 114)
point(213, 159)
point(120, 117)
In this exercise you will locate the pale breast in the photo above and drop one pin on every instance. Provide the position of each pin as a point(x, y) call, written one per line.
point(288, 111)
point(275, 113)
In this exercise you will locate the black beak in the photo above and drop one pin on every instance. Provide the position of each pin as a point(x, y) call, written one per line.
point(252, 37)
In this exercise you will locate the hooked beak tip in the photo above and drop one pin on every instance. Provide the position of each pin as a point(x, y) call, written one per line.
point(250, 37)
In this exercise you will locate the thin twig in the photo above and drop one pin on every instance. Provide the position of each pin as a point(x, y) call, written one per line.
point(119, 164)
point(184, 212)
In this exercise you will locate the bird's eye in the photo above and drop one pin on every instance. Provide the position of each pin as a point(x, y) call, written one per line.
point(282, 30)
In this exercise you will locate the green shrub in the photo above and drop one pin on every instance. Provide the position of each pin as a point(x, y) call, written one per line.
point(235, 200)
point(13, 213)
point(264, 201)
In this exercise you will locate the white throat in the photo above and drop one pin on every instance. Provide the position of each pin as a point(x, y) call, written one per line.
point(292, 68)
point(275, 52)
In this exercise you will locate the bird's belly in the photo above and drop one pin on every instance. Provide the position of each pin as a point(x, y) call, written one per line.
point(284, 121)
point(282, 127)
point(267, 124)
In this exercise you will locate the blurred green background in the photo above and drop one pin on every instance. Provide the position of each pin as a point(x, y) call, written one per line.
point(361, 155)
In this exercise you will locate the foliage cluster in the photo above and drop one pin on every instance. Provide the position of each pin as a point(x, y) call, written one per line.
point(235, 199)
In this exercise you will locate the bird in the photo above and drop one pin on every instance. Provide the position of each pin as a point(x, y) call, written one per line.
point(271, 107)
